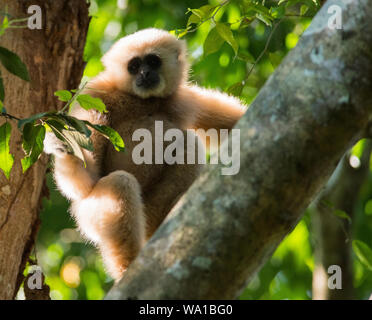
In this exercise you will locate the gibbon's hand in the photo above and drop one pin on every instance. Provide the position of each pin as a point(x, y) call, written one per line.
point(53, 145)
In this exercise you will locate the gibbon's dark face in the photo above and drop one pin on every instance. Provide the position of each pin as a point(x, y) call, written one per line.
point(147, 63)
point(145, 70)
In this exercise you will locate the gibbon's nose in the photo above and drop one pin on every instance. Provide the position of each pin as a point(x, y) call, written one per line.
point(145, 74)
point(147, 78)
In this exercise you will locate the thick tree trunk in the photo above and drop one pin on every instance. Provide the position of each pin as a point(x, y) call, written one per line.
point(53, 56)
point(332, 235)
point(305, 118)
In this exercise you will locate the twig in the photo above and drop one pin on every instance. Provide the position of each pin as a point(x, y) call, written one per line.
point(264, 50)
point(9, 116)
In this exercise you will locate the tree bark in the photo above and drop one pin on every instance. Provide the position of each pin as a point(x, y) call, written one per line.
point(310, 111)
point(53, 56)
point(332, 235)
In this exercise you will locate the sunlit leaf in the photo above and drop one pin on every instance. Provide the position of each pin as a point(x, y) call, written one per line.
point(226, 34)
point(6, 159)
point(363, 252)
point(193, 19)
point(200, 14)
point(213, 42)
point(303, 10)
point(110, 134)
point(278, 12)
point(88, 102)
point(63, 95)
point(13, 64)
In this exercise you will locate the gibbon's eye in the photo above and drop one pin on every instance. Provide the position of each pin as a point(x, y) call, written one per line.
point(134, 65)
point(153, 61)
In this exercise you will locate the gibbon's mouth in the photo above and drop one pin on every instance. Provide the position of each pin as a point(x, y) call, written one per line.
point(148, 81)
point(147, 90)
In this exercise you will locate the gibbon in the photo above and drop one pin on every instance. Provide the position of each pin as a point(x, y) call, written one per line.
point(116, 203)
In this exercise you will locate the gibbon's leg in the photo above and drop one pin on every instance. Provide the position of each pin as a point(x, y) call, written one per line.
point(72, 178)
point(165, 193)
point(112, 217)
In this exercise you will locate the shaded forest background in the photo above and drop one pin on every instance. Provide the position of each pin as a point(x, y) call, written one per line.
point(72, 267)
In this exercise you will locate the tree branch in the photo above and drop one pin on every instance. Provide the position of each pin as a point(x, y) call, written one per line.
point(332, 235)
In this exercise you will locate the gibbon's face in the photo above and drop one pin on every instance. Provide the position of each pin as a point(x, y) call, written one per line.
point(148, 63)
point(145, 71)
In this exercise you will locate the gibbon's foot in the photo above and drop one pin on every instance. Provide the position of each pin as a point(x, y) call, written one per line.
point(53, 145)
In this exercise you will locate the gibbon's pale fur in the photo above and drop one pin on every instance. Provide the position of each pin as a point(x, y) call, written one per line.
point(117, 204)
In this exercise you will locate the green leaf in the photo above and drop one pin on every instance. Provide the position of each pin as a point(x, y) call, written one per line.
point(6, 159)
point(13, 64)
point(200, 14)
point(88, 102)
point(193, 19)
point(81, 139)
point(33, 144)
point(275, 59)
point(304, 8)
point(363, 252)
point(213, 42)
point(63, 95)
point(2, 91)
point(4, 26)
point(5, 22)
point(236, 89)
point(277, 12)
point(76, 124)
point(226, 34)
point(110, 134)
point(342, 214)
point(67, 137)
point(246, 22)
point(265, 19)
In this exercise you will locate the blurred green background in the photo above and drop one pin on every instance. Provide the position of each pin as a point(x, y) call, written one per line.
point(72, 267)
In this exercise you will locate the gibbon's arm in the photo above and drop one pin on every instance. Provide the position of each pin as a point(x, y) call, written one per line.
point(209, 108)
point(74, 179)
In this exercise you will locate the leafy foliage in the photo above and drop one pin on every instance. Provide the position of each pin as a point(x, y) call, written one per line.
point(72, 131)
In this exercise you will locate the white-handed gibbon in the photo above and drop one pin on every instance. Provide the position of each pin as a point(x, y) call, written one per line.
point(116, 203)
